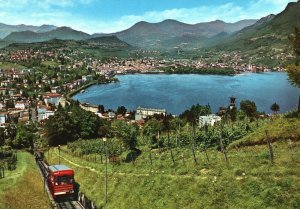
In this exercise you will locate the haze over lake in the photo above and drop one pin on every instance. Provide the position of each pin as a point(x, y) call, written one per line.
point(177, 93)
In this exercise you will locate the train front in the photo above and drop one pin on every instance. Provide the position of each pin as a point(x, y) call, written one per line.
point(61, 180)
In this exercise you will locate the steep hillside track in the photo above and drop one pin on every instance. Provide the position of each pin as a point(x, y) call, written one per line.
point(69, 205)
point(60, 203)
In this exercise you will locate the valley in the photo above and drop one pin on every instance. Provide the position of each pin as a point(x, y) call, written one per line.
point(138, 104)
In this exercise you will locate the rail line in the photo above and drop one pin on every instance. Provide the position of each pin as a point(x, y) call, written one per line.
point(69, 205)
point(60, 204)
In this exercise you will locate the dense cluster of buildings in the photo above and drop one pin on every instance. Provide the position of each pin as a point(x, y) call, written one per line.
point(34, 94)
point(153, 64)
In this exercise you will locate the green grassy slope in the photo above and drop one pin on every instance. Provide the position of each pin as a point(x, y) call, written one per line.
point(281, 129)
point(248, 180)
point(23, 187)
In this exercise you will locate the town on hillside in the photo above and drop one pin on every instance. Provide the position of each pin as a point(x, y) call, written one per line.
point(33, 82)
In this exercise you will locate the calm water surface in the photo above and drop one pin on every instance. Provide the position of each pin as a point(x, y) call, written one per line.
point(177, 93)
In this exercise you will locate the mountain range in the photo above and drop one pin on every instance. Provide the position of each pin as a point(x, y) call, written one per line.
point(170, 33)
point(7, 29)
point(62, 33)
point(272, 30)
point(142, 34)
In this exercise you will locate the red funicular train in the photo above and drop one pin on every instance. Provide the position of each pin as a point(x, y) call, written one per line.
point(60, 178)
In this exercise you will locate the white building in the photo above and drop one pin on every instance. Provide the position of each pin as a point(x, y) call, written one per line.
point(21, 105)
point(111, 114)
point(87, 78)
point(209, 120)
point(142, 112)
point(44, 114)
point(3, 118)
point(52, 98)
point(2, 105)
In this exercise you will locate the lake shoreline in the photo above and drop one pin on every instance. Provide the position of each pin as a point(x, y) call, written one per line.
point(177, 93)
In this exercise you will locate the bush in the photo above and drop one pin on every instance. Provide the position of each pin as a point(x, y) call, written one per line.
point(273, 196)
point(12, 163)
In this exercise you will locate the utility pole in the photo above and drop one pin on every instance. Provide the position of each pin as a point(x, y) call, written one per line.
point(106, 179)
point(48, 159)
point(59, 154)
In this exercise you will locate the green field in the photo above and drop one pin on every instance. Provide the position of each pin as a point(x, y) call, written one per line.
point(23, 187)
point(9, 66)
point(279, 129)
point(50, 63)
point(247, 180)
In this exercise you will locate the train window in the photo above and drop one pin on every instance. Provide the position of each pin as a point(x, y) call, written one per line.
point(62, 180)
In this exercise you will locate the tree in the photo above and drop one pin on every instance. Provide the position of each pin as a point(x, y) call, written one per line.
point(296, 44)
point(121, 110)
point(249, 107)
point(101, 108)
point(10, 103)
point(104, 128)
point(294, 70)
point(101, 79)
point(61, 128)
point(126, 133)
point(152, 129)
point(194, 112)
point(87, 123)
point(275, 107)
point(47, 88)
point(11, 131)
point(232, 113)
point(25, 137)
point(2, 136)
point(299, 108)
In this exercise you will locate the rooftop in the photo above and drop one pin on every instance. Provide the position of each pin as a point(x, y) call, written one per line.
point(150, 109)
point(54, 168)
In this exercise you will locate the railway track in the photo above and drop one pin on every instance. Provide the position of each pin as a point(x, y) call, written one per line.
point(62, 203)
point(69, 205)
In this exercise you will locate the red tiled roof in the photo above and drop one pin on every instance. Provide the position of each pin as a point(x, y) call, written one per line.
point(48, 94)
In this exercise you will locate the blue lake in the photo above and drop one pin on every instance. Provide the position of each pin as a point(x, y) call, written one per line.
point(177, 93)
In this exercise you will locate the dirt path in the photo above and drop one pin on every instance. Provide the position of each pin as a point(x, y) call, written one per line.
point(135, 174)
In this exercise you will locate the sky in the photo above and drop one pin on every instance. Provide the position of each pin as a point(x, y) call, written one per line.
point(107, 16)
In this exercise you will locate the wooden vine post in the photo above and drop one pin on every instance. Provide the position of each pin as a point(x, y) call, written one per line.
point(207, 158)
point(290, 145)
point(170, 149)
point(269, 143)
point(150, 156)
point(223, 150)
point(193, 145)
point(205, 148)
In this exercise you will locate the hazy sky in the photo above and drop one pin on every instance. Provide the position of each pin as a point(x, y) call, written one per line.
point(114, 15)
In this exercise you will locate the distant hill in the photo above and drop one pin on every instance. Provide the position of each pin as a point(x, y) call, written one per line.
point(109, 46)
point(63, 33)
point(160, 35)
point(269, 32)
point(108, 42)
point(7, 29)
point(163, 35)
